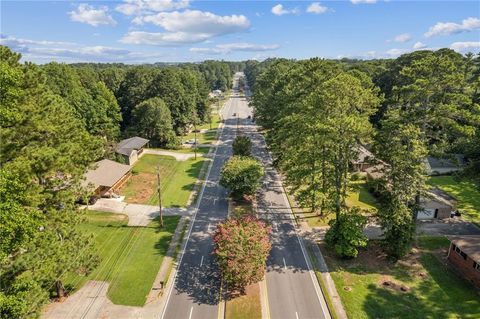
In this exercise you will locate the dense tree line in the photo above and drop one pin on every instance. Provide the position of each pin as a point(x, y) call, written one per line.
point(56, 120)
point(315, 111)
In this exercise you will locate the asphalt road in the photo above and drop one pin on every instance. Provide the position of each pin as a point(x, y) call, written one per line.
point(196, 290)
point(293, 291)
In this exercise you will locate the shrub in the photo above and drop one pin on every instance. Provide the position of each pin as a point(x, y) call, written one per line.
point(241, 175)
point(242, 246)
point(242, 146)
point(346, 233)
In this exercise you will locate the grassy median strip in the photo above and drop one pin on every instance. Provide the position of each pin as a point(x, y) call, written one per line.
point(247, 306)
point(130, 257)
point(178, 179)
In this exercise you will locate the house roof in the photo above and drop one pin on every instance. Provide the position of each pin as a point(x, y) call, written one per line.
point(455, 161)
point(105, 173)
point(470, 245)
point(438, 196)
point(127, 146)
point(376, 171)
point(363, 154)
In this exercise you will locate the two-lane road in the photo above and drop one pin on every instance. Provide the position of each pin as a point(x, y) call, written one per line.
point(196, 289)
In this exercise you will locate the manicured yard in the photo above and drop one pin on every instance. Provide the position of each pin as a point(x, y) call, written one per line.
point(203, 138)
point(361, 197)
point(130, 257)
point(247, 306)
point(177, 179)
point(466, 192)
point(418, 286)
point(215, 123)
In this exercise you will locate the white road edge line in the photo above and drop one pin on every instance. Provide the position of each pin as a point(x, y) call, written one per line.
point(201, 262)
point(296, 314)
point(192, 221)
point(284, 263)
point(191, 311)
point(322, 301)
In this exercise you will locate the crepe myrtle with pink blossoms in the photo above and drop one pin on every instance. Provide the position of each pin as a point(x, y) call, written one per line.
point(242, 246)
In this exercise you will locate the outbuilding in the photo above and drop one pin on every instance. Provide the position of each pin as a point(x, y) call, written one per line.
point(131, 148)
point(106, 177)
point(464, 255)
point(441, 166)
point(436, 204)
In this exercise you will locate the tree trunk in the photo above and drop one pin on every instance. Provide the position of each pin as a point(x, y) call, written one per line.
point(60, 289)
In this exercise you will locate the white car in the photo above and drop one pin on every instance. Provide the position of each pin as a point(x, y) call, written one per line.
point(192, 141)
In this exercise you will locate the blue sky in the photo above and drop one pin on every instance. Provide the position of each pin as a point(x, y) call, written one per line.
point(138, 31)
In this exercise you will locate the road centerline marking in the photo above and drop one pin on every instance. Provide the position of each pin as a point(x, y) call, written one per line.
point(296, 314)
point(284, 263)
point(191, 311)
point(201, 262)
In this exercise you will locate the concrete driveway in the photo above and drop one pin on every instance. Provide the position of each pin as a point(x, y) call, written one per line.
point(138, 214)
point(450, 226)
point(178, 156)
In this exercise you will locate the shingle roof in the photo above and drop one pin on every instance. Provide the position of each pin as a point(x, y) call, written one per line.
point(456, 161)
point(125, 147)
point(470, 245)
point(105, 173)
point(363, 154)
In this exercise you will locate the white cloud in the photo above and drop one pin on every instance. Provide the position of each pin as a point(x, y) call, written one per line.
point(85, 13)
point(188, 26)
point(396, 52)
point(404, 37)
point(279, 10)
point(231, 47)
point(363, 1)
point(316, 8)
point(136, 7)
point(163, 38)
point(46, 51)
point(465, 46)
point(447, 28)
point(419, 45)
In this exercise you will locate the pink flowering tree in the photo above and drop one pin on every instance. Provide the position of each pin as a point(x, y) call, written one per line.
point(242, 246)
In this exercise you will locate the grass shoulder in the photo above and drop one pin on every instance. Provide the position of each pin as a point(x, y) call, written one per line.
point(123, 250)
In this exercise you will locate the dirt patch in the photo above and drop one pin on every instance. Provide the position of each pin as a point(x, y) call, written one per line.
point(387, 283)
point(140, 188)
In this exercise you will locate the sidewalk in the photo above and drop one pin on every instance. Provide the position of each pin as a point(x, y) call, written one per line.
point(138, 214)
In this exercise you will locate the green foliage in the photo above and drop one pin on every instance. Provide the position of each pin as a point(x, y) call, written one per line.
point(242, 246)
point(346, 233)
point(152, 120)
point(242, 146)
point(45, 151)
point(241, 175)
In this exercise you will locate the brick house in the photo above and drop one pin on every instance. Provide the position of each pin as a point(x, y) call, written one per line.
point(464, 255)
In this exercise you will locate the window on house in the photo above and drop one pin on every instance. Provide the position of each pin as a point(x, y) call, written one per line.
point(460, 252)
point(476, 266)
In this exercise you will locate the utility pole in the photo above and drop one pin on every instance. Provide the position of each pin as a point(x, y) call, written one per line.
point(195, 137)
point(159, 190)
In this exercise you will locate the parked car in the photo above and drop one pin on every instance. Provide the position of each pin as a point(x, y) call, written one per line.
point(192, 141)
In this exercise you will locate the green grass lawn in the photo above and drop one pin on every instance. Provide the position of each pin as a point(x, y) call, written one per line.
point(130, 257)
point(203, 138)
point(432, 290)
point(177, 179)
point(360, 196)
point(215, 123)
point(466, 192)
point(247, 306)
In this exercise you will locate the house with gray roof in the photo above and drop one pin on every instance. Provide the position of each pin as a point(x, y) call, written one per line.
point(441, 166)
point(131, 148)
